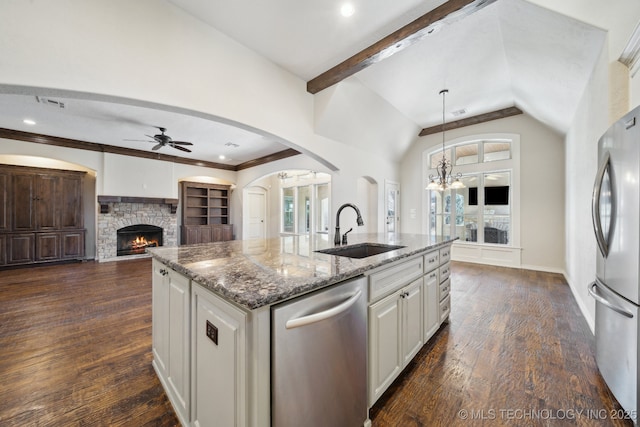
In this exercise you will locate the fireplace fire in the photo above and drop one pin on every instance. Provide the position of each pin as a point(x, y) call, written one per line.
point(135, 239)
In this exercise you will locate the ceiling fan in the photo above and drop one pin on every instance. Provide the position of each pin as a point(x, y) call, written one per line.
point(162, 139)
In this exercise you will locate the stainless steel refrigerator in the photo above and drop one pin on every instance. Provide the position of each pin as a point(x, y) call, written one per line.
point(616, 289)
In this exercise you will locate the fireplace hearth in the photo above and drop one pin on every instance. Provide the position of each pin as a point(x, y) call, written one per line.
point(119, 212)
point(134, 239)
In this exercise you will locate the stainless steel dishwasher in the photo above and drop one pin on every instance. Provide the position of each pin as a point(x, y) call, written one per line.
point(319, 358)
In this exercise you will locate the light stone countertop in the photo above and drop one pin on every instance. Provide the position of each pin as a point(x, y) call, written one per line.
point(256, 273)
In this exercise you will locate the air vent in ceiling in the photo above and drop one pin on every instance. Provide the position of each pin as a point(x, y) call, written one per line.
point(459, 112)
point(50, 102)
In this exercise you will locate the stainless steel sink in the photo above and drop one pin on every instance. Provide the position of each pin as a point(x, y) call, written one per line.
point(361, 250)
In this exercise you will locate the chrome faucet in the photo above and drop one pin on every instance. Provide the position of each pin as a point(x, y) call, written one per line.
point(336, 239)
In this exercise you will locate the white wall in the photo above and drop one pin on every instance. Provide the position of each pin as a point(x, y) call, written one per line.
point(541, 187)
point(148, 51)
point(110, 50)
point(353, 163)
point(108, 174)
point(591, 121)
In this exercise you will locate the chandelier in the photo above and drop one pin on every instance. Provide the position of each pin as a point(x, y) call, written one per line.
point(445, 179)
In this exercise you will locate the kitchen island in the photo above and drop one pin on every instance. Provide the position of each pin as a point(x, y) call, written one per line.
point(212, 314)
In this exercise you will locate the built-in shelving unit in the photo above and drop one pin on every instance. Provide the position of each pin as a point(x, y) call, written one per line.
point(205, 213)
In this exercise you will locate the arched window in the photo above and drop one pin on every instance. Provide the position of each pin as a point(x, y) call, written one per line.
point(487, 210)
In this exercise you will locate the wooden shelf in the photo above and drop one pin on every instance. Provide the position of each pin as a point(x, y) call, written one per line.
point(205, 212)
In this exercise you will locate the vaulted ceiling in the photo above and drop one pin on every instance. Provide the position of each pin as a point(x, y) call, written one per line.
point(507, 53)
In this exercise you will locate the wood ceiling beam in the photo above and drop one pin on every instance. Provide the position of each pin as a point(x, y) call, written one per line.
point(91, 146)
point(469, 121)
point(397, 41)
point(267, 159)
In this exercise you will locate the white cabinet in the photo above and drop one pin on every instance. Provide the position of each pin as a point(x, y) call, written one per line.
point(160, 319)
point(385, 344)
point(171, 335)
point(431, 304)
point(412, 311)
point(409, 300)
point(395, 336)
point(179, 341)
point(219, 361)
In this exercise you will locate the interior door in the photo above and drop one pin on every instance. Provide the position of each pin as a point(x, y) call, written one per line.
point(256, 213)
point(392, 202)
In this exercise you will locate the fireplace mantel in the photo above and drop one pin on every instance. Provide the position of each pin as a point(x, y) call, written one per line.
point(105, 200)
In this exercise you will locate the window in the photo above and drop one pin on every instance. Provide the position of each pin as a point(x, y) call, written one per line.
point(287, 210)
point(483, 211)
point(305, 203)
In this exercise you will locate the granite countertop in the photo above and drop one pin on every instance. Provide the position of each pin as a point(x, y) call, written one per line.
point(256, 273)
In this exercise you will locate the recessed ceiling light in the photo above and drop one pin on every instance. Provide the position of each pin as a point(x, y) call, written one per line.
point(221, 157)
point(347, 10)
point(29, 122)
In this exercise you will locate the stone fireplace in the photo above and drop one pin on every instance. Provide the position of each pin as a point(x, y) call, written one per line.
point(134, 239)
point(151, 219)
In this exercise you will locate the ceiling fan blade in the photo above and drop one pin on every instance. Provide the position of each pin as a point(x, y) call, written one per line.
point(156, 147)
point(181, 148)
point(181, 142)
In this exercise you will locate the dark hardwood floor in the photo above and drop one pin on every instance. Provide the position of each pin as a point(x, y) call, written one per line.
point(75, 350)
point(516, 352)
point(75, 347)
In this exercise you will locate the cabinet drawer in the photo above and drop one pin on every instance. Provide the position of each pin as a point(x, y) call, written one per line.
point(445, 309)
point(431, 261)
point(445, 288)
point(445, 271)
point(386, 281)
point(432, 276)
point(445, 255)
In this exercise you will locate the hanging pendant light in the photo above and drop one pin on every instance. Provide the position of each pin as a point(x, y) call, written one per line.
point(444, 179)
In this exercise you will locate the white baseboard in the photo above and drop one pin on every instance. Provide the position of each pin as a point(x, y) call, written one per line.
point(576, 295)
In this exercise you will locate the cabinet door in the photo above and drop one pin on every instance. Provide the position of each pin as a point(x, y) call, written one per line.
point(47, 202)
point(3, 249)
point(218, 362)
point(189, 235)
point(47, 246)
point(23, 187)
point(206, 235)
point(227, 233)
point(5, 224)
point(179, 341)
point(71, 202)
point(431, 304)
point(222, 233)
point(385, 344)
point(160, 318)
point(72, 244)
point(20, 248)
point(412, 315)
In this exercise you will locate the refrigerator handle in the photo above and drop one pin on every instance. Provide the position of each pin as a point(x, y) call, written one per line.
point(594, 293)
point(595, 207)
point(316, 317)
